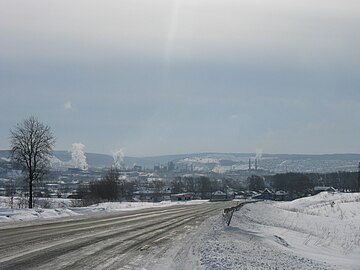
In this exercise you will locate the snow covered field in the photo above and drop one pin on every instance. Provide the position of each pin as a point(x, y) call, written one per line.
point(309, 233)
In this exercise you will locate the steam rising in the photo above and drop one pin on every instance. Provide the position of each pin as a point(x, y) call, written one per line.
point(259, 153)
point(78, 157)
point(118, 157)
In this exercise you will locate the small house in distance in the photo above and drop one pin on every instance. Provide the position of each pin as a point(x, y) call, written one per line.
point(265, 195)
point(281, 195)
point(181, 197)
point(220, 196)
point(321, 189)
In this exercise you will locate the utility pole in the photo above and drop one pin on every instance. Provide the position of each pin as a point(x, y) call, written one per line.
point(358, 181)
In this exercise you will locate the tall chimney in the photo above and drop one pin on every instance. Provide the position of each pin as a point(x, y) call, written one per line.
point(358, 183)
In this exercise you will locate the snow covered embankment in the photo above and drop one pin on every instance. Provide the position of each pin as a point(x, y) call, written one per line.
point(319, 232)
point(324, 228)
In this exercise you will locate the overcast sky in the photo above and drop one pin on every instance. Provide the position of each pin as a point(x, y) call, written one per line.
point(180, 76)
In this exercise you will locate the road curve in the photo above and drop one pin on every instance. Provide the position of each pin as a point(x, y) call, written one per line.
point(98, 242)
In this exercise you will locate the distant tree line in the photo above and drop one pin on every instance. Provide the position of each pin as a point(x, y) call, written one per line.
point(110, 188)
point(343, 181)
point(203, 186)
point(296, 184)
point(302, 184)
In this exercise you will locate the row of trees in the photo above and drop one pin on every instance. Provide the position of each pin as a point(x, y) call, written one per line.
point(344, 181)
point(299, 184)
point(203, 186)
point(112, 188)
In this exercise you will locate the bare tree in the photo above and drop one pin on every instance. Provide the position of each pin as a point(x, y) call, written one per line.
point(256, 183)
point(31, 148)
point(107, 189)
point(158, 186)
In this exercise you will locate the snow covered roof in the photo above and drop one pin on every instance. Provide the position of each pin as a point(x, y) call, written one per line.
point(181, 194)
point(219, 193)
point(324, 189)
point(281, 192)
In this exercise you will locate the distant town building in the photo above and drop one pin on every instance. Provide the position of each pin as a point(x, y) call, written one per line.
point(181, 197)
point(322, 189)
point(219, 196)
point(137, 168)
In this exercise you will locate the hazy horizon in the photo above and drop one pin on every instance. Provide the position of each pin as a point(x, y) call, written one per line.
point(184, 76)
point(204, 153)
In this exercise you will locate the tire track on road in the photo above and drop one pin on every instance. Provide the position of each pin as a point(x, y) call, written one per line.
point(146, 227)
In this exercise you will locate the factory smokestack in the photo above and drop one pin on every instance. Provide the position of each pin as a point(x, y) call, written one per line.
point(358, 183)
point(249, 164)
point(256, 164)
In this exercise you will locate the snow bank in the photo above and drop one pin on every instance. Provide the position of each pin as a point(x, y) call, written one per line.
point(7, 214)
point(62, 208)
point(325, 227)
point(21, 202)
point(324, 204)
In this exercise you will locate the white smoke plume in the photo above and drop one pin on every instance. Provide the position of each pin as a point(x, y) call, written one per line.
point(259, 153)
point(78, 157)
point(118, 157)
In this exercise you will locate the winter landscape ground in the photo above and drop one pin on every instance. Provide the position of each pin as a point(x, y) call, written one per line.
point(307, 233)
point(318, 232)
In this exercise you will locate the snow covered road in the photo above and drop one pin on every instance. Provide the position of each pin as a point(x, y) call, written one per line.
point(101, 242)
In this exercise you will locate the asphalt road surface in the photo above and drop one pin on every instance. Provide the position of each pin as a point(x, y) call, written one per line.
point(99, 242)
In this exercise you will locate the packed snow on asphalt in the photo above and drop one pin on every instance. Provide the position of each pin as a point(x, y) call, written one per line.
point(318, 232)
